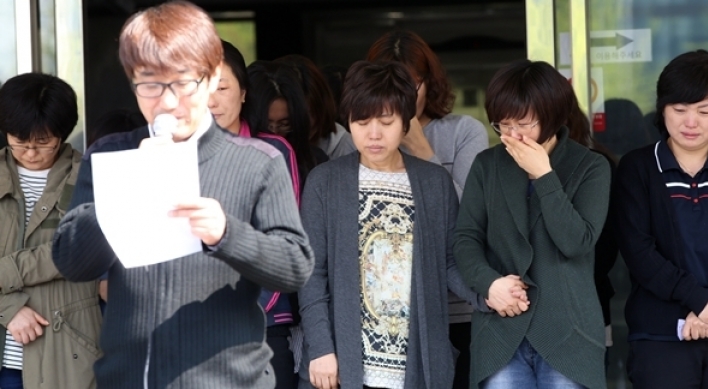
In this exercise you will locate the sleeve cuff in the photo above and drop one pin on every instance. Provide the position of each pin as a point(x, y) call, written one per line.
point(698, 300)
point(482, 305)
point(486, 280)
point(213, 248)
point(10, 305)
point(547, 183)
point(10, 278)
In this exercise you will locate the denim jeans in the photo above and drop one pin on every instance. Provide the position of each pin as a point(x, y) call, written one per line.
point(528, 370)
point(10, 378)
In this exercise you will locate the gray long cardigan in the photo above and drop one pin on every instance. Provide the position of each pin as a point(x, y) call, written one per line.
point(548, 239)
point(329, 301)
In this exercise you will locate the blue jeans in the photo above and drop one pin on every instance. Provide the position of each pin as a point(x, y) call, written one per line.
point(528, 370)
point(10, 378)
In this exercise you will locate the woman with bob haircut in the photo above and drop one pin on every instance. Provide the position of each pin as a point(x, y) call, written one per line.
point(439, 136)
point(531, 212)
point(380, 222)
point(41, 313)
point(660, 195)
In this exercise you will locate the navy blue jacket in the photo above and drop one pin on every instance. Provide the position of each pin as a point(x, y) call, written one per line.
point(650, 242)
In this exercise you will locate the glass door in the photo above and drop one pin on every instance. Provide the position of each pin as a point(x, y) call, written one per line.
point(613, 51)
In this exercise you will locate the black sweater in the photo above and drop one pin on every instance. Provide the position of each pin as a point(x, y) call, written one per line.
point(650, 243)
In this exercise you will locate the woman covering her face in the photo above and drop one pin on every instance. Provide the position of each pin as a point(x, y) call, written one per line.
point(531, 212)
point(380, 223)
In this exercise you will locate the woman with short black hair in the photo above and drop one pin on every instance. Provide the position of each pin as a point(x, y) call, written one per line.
point(439, 136)
point(531, 213)
point(40, 312)
point(380, 222)
point(660, 195)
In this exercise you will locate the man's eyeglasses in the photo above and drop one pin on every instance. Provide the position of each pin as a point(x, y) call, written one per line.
point(505, 129)
point(38, 149)
point(179, 88)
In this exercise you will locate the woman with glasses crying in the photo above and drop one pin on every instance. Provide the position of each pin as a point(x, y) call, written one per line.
point(40, 312)
point(531, 212)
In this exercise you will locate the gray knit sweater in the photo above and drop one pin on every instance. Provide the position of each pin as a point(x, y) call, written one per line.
point(198, 316)
point(456, 141)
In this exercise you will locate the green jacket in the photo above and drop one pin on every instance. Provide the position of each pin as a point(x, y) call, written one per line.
point(63, 356)
point(548, 238)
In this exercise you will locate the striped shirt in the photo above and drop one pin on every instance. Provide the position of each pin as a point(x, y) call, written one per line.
point(32, 184)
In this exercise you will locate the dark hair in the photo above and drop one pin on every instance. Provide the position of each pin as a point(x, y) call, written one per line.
point(234, 60)
point(580, 130)
point(683, 81)
point(270, 81)
point(411, 50)
point(320, 102)
point(34, 105)
point(169, 35)
point(334, 74)
point(119, 120)
point(524, 86)
point(370, 88)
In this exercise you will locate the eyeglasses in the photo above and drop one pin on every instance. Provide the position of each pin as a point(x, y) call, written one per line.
point(279, 127)
point(179, 88)
point(38, 149)
point(504, 129)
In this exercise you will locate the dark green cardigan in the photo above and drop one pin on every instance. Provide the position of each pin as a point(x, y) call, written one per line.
point(548, 239)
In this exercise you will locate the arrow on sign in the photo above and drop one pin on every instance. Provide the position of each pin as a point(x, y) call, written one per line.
point(618, 41)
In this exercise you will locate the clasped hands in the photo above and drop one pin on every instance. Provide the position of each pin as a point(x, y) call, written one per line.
point(507, 296)
point(696, 327)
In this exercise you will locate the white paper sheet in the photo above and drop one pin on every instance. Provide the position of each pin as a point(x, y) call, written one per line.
point(134, 190)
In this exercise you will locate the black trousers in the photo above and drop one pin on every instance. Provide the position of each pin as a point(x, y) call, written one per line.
point(282, 361)
point(661, 365)
point(460, 336)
